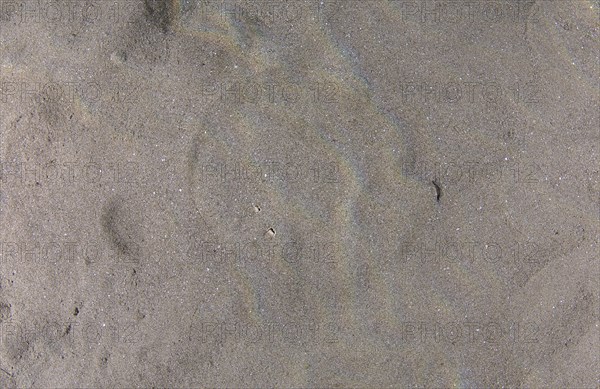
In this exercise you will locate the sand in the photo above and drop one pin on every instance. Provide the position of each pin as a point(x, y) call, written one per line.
point(299, 194)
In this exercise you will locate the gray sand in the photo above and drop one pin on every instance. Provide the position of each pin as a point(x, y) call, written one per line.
point(299, 194)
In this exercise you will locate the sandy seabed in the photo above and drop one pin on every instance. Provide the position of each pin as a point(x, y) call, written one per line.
point(203, 193)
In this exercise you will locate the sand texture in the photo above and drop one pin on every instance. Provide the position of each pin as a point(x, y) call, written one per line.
point(338, 193)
